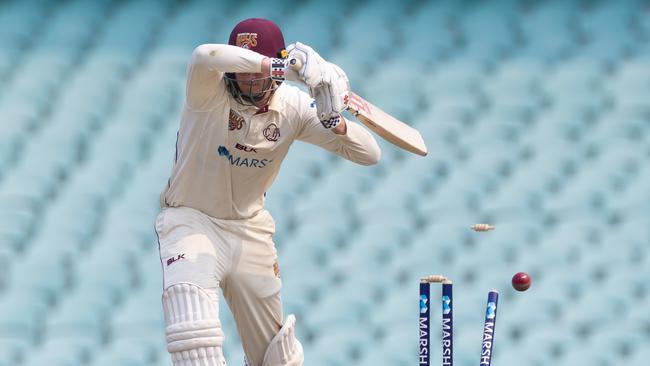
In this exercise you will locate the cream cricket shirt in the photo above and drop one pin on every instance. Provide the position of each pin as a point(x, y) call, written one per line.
point(227, 155)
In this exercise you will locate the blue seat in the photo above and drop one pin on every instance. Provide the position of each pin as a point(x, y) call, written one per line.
point(81, 316)
point(584, 319)
point(140, 320)
point(35, 84)
point(54, 359)
point(21, 321)
point(546, 31)
point(621, 339)
point(563, 82)
point(234, 356)
point(555, 124)
point(525, 313)
point(364, 284)
point(631, 76)
point(50, 281)
point(127, 33)
point(535, 179)
point(626, 283)
point(350, 341)
point(358, 179)
point(12, 350)
point(299, 292)
point(21, 117)
point(77, 351)
point(620, 126)
point(589, 356)
point(381, 355)
point(191, 27)
point(608, 31)
point(126, 352)
point(488, 31)
point(379, 95)
point(357, 68)
point(337, 308)
point(131, 227)
point(431, 18)
point(372, 24)
point(441, 241)
point(455, 78)
point(148, 271)
point(51, 157)
point(549, 343)
point(300, 27)
point(556, 282)
point(19, 21)
point(15, 228)
point(517, 75)
point(303, 165)
point(639, 357)
point(512, 356)
point(456, 198)
point(73, 215)
point(313, 242)
point(399, 308)
point(232, 346)
point(312, 209)
point(389, 192)
point(31, 185)
point(632, 203)
point(244, 10)
point(381, 237)
point(521, 107)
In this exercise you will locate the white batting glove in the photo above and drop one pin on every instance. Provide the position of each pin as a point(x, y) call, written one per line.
point(314, 67)
point(332, 97)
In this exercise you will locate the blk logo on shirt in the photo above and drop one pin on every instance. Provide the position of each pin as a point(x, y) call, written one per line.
point(245, 148)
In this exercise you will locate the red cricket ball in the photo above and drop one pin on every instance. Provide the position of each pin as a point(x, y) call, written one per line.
point(521, 281)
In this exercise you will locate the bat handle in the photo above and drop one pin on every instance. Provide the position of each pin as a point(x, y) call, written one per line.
point(295, 64)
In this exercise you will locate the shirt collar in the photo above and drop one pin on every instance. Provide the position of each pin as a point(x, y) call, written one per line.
point(276, 100)
point(274, 104)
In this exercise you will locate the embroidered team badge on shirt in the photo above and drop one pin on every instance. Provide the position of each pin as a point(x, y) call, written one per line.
point(276, 269)
point(246, 40)
point(272, 132)
point(235, 121)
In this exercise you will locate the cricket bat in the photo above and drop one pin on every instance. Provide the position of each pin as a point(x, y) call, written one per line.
point(383, 124)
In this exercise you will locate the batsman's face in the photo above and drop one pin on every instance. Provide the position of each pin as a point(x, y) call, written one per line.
point(257, 87)
point(253, 83)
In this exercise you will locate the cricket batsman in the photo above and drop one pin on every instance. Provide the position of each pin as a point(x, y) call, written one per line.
point(238, 122)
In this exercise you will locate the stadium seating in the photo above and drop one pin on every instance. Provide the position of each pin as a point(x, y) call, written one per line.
point(536, 115)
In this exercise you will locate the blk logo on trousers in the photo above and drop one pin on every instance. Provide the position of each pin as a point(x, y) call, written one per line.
point(175, 259)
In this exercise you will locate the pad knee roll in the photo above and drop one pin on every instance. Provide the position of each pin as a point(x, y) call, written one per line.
point(193, 330)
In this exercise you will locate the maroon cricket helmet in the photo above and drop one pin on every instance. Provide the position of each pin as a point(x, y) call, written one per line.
point(259, 35)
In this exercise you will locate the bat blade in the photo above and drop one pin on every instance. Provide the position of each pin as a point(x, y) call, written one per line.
point(388, 127)
point(383, 124)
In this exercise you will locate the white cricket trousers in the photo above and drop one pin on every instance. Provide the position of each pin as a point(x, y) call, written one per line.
point(237, 255)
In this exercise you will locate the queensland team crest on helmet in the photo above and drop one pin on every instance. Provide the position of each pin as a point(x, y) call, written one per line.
point(246, 40)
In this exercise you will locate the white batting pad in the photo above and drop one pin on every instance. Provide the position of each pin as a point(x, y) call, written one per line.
point(194, 335)
point(285, 349)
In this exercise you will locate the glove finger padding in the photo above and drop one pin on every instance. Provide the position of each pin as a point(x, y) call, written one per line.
point(332, 97)
point(323, 97)
point(311, 71)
